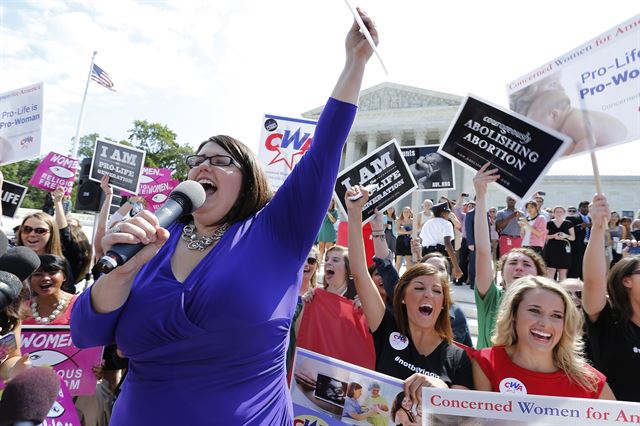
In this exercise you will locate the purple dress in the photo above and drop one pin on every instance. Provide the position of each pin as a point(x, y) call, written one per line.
point(211, 350)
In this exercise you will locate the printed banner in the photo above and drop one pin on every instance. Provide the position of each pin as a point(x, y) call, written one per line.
point(431, 171)
point(53, 171)
point(123, 164)
point(21, 123)
point(151, 176)
point(328, 391)
point(451, 406)
point(283, 142)
point(387, 169)
point(52, 346)
point(155, 186)
point(63, 411)
point(12, 197)
point(597, 81)
point(519, 148)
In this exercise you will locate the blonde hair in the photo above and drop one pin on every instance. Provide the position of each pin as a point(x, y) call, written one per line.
point(568, 352)
point(53, 246)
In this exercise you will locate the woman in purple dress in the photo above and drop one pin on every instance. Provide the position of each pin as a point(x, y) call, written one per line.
point(206, 341)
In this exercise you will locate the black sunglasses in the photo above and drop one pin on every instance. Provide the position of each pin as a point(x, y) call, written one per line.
point(27, 230)
point(215, 160)
point(312, 260)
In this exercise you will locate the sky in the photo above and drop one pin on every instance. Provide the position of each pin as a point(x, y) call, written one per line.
point(216, 67)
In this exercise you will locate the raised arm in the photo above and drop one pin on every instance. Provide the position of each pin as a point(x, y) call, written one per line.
point(594, 267)
point(372, 304)
point(484, 263)
point(103, 216)
point(60, 217)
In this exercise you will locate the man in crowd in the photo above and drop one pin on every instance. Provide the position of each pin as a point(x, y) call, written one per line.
point(582, 228)
point(508, 228)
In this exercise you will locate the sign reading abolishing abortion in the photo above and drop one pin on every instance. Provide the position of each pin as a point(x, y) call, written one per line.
point(12, 197)
point(283, 142)
point(385, 168)
point(21, 123)
point(596, 86)
point(454, 406)
point(123, 164)
point(431, 170)
point(53, 171)
point(52, 346)
point(519, 148)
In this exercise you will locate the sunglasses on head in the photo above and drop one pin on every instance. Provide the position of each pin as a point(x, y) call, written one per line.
point(312, 260)
point(28, 230)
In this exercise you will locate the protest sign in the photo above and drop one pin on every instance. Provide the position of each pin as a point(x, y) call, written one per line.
point(431, 171)
point(387, 169)
point(155, 186)
point(123, 164)
point(283, 142)
point(63, 411)
point(53, 171)
point(597, 81)
point(21, 123)
point(12, 197)
point(321, 387)
point(451, 406)
point(52, 346)
point(519, 148)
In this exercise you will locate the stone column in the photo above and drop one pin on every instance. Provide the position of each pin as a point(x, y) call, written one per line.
point(351, 151)
point(421, 137)
point(398, 136)
point(372, 142)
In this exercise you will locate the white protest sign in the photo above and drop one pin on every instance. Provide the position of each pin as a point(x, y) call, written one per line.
point(21, 123)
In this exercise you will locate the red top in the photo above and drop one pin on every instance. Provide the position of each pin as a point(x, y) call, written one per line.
point(62, 319)
point(507, 377)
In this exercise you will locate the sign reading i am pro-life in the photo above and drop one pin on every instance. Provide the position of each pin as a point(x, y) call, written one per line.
point(123, 164)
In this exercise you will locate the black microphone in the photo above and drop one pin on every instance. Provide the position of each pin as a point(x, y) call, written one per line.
point(10, 288)
point(27, 399)
point(21, 261)
point(184, 199)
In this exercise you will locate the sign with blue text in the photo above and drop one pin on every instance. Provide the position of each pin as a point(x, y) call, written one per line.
point(21, 123)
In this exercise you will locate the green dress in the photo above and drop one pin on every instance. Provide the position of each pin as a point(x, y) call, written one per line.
point(327, 231)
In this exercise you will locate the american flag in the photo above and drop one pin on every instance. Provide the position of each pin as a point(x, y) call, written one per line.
point(101, 77)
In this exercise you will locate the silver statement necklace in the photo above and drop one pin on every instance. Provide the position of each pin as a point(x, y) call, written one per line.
point(59, 308)
point(200, 244)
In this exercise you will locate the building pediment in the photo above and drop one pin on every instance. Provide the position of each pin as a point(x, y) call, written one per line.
point(393, 97)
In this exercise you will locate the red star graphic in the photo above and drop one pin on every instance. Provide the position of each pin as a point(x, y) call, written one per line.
point(282, 155)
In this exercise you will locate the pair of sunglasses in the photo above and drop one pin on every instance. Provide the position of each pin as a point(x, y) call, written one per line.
point(312, 260)
point(28, 230)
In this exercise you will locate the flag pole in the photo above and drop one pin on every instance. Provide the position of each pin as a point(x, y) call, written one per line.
point(76, 139)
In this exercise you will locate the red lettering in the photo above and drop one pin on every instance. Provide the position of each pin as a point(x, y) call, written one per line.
point(433, 399)
point(269, 142)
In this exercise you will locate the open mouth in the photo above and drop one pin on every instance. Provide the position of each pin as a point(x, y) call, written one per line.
point(45, 286)
point(540, 335)
point(208, 186)
point(425, 309)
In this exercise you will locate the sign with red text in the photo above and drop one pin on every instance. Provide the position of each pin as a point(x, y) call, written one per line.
point(21, 123)
point(326, 391)
point(596, 86)
point(53, 171)
point(283, 142)
point(52, 346)
point(487, 408)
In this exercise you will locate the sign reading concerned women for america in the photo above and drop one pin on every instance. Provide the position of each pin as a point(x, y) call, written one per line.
point(519, 148)
point(123, 164)
point(385, 168)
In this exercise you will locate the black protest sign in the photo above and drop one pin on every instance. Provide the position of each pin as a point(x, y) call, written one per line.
point(123, 164)
point(519, 148)
point(431, 170)
point(387, 169)
point(12, 196)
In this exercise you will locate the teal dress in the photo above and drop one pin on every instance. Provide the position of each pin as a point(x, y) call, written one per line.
point(327, 230)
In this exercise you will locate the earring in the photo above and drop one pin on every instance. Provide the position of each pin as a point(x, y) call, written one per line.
point(403, 302)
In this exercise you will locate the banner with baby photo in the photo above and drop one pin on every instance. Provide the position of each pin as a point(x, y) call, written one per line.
point(283, 142)
point(598, 82)
point(53, 171)
point(21, 123)
point(432, 171)
point(52, 346)
point(385, 172)
point(456, 407)
point(327, 391)
point(522, 150)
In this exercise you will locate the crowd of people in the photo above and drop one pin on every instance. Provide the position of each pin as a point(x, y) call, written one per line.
point(556, 288)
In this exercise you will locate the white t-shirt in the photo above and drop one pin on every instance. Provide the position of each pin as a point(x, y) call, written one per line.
point(434, 231)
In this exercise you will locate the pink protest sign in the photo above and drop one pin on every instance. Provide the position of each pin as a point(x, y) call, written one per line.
point(63, 411)
point(151, 176)
point(52, 346)
point(158, 193)
point(55, 170)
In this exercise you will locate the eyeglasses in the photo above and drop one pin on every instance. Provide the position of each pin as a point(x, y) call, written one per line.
point(571, 210)
point(27, 230)
point(312, 260)
point(220, 160)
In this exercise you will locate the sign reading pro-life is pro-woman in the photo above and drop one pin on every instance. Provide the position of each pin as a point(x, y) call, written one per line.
point(123, 164)
point(20, 123)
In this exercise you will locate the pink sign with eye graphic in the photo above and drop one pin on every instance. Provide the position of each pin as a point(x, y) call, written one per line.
point(55, 170)
point(52, 346)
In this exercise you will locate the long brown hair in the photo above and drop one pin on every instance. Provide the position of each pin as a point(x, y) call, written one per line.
point(351, 287)
point(443, 323)
point(618, 293)
point(53, 245)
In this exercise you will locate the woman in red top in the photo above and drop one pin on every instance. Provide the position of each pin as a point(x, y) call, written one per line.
point(50, 305)
point(537, 346)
